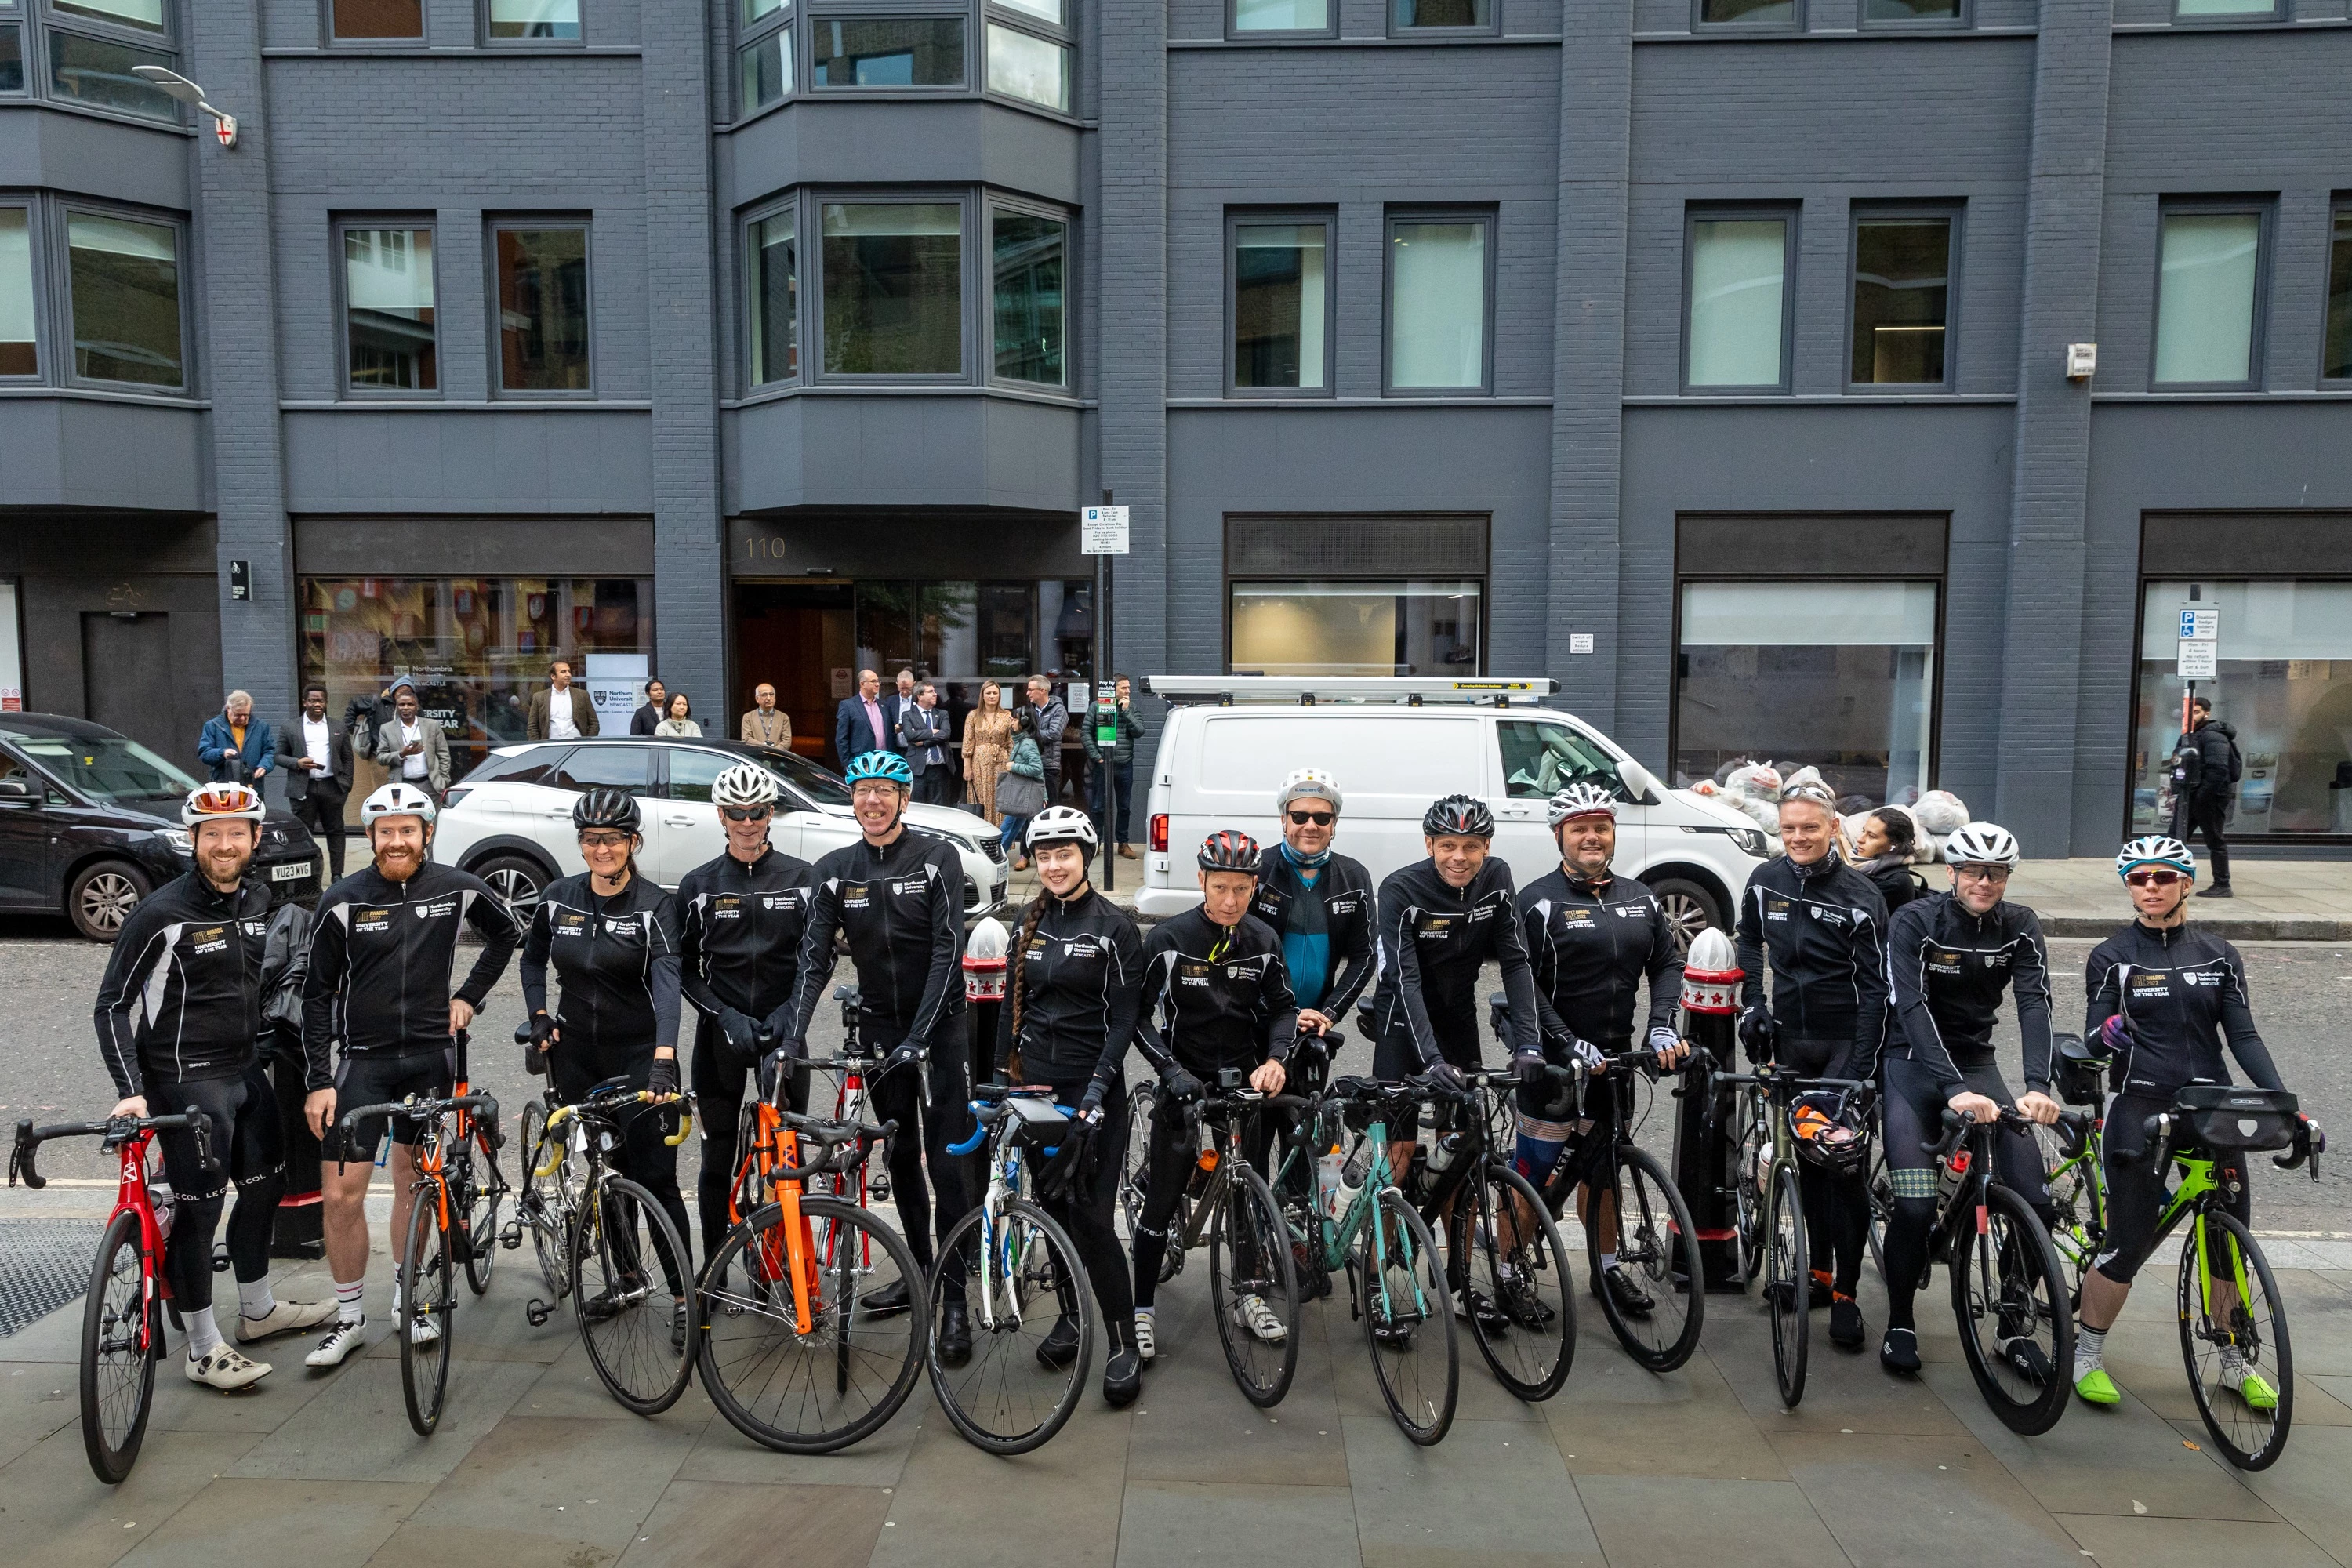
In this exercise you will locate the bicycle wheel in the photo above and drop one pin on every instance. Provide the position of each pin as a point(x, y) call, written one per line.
point(485, 1193)
point(1787, 1285)
point(547, 1198)
point(816, 1391)
point(1658, 1255)
point(2073, 1185)
point(2016, 1328)
point(429, 1304)
point(1135, 1161)
point(2233, 1340)
point(1249, 1259)
point(1013, 1394)
point(1507, 1265)
point(1751, 1181)
point(121, 1340)
point(639, 1339)
point(1408, 1322)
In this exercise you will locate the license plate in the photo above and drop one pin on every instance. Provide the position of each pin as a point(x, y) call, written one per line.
point(294, 872)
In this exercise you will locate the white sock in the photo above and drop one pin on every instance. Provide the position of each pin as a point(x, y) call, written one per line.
point(204, 1334)
point(2088, 1342)
point(1608, 1261)
point(254, 1300)
point(348, 1298)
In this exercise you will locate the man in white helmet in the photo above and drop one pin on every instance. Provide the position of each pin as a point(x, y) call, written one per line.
point(383, 950)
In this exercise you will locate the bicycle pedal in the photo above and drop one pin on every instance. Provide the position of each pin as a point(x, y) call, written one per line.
point(537, 1313)
point(512, 1236)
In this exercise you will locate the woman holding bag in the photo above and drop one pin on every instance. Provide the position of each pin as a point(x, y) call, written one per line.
point(1021, 787)
point(987, 747)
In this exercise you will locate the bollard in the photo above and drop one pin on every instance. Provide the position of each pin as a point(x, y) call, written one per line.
point(300, 1228)
point(1710, 1004)
point(984, 991)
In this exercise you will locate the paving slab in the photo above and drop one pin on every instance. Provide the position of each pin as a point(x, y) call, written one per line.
point(955, 1504)
point(734, 1524)
point(1170, 1523)
point(1674, 1521)
point(283, 1524)
point(363, 1432)
point(2192, 1543)
point(2310, 1485)
point(55, 1513)
point(1925, 1502)
point(591, 1482)
point(1492, 1492)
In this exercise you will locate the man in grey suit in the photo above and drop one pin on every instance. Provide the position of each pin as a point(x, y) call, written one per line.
point(411, 747)
point(316, 754)
point(923, 733)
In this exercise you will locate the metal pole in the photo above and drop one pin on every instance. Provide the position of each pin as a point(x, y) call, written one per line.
point(1105, 769)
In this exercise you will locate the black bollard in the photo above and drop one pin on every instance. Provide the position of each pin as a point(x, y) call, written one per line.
point(1702, 1129)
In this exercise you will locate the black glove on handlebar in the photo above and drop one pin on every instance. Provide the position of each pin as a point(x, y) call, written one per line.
point(1180, 1084)
point(1756, 1032)
point(1527, 1067)
point(1067, 1177)
point(663, 1080)
point(1448, 1076)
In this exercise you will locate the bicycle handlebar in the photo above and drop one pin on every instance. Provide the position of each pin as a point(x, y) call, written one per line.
point(23, 1160)
point(1957, 1127)
point(482, 1104)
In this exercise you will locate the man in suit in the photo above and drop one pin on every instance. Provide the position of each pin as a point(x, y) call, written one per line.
point(1052, 720)
point(316, 754)
point(236, 746)
point(923, 730)
point(655, 710)
point(861, 723)
point(561, 710)
point(411, 747)
point(767, 724)
point(895, 706)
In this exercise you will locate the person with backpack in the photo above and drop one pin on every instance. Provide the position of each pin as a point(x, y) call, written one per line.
point(2206, 766)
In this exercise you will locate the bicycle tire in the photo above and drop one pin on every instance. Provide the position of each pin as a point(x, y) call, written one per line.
point(1531, 1354)
point(117, 1371)
point(1657, 1249)
point(2075, 1196)
point(729, 1361)
point(1751, 1181)
point(2027, 1397)
point(428, 1274)
point(484, 1199)
point(1262, 1380)
point(1789, 1285)
point(1009, 1347)
point(1135, 1160)
point(550, 1201)
point(2275, 1360)
point(1381, 1302)
point(628, 1320)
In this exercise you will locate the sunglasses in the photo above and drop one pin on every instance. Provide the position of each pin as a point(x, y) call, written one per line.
point(2152, 879)
point(1319, 818)
point(1984, 873)
point(746, 813)
point(603, 841)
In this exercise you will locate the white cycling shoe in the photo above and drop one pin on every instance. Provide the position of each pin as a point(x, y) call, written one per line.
point(226, 1368)
point(1252, 1313)
point(337, 1346)
point(424, 1329)
point(1147, 1346)
point(285, 1318)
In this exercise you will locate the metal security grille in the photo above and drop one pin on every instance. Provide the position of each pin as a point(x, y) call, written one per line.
point(44, 1264)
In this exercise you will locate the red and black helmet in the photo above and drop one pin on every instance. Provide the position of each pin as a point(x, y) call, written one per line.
point(1230, 851)
point(1459, 816)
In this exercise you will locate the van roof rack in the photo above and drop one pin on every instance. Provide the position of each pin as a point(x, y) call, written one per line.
point(1307, 691)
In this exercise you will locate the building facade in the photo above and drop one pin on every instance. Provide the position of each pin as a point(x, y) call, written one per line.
point(1711, 356)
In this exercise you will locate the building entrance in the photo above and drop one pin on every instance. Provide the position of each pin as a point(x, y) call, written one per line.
point(801, 639)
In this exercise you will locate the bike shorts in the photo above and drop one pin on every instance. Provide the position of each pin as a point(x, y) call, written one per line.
point(247, 1138)
point(1396, 1057)
point(1913, 1109)
point(2137, 1185)
point(378, 1077)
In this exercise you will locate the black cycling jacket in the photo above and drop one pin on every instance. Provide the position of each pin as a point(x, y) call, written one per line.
point(1351, 910)
point(739, 929)
point(1591, 947)
point(1824, 929)
point(1214, 996)
point(2183, 993)
point(1947, 967)
point(182, 996)
point(1078, 974)
point(901, 904)
point(1433, 939)
point(616, 960)
point(382, 954)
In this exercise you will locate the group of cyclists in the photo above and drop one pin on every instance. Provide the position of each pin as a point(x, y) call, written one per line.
point(1243, 988)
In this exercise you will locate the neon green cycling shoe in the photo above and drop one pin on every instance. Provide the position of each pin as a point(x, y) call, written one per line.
point(2096, 1387)
point(2255, 1390)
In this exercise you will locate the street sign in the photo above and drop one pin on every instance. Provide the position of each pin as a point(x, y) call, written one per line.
point(1103, 529)
point(2200, 625)
point(2201, 662)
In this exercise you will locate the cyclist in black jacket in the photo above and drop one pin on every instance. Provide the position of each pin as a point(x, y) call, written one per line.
point(1069, 1019)
point(612, 938)
point(177, 1015)
point(383, 949)
point(1592, 936)
point(1215, 996)
point(1949, 956)
point(740, 920)
point(1824, 928)
point(897, 893)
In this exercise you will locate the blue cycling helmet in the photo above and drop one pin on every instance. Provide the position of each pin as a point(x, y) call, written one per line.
point(2156, 849)
point(888, 765)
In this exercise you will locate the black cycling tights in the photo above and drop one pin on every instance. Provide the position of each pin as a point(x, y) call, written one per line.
point(1174, 1157)
point(1913, 1111)
point(643, 1156)
point(721, 1081)
point(1837, 1205)
point(1088, 1213)
point(925, 1130)
point(247, 1142)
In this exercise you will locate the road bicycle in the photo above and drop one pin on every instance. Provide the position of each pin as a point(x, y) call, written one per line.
point(478, 1185)
point(1020, 1278)
point(122, 1315)
point(429, 1267)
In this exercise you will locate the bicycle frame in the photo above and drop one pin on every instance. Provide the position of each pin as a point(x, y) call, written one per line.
point(996, 1125)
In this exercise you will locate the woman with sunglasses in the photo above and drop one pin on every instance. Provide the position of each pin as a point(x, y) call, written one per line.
point(2164, 998)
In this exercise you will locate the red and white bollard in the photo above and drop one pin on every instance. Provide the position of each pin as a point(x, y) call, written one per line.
point(1710, 1004)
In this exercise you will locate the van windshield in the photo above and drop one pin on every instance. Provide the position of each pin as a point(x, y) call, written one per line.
point(1541, 759)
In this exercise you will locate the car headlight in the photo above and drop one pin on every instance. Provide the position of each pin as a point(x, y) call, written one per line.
point(1749, 839)
point(177, 838)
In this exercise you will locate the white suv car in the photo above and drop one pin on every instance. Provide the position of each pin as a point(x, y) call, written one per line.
point(509, 820)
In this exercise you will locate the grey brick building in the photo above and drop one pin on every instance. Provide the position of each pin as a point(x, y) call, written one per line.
point(1709, 355)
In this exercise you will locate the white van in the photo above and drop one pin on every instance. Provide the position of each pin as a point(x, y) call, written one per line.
point(1394, 746)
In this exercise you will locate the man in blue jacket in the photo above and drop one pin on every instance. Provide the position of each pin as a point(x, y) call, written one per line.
point(863, 723)
point(236, 746)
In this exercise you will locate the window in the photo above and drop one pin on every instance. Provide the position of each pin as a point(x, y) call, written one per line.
point(1542, 758)
point(1437, 304)
point(1894, 13)
point(141, 15)
point(19, 346)
point(1031, 260)
point(1024, 66)
point(893, 289)
point(1279, 16)
point(772, 268)
point(887, 51)
point(12, 58)
point(692, 772)
point(630, 768)
point(1839, 675)
point(2223, 10)
point(1738, 333)
point(124, 278)
point(542, 308)
point(534, 21)
point(1758, 13)
point(369, 20)
point(763, 61)
point(1356, 628)
point(1419, 16)
point(2210, 270)
point(2337, 365)
point(97, 73)
point(389, 333)
point(1902, 300)
point(1281, 306)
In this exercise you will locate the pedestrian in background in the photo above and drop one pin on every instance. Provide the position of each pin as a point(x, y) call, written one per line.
point(560, 711)
point(237, 747)
point(767, 724)
point(1121, 760)
point(651, 711)
point(923, 731)
point(364, 717)
point(1021, 787)
point(895, 706)
point(316, 754)
point(2216, 766)
point(858, 724)
point(411, 747)
point(987, 747)
point(1052, 720)
point(680, 719)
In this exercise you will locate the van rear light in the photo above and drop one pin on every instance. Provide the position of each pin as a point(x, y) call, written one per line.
point(1160, 833)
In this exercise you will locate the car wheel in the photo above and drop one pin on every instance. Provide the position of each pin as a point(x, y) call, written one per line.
point(1690, 907)
point(101, 895)
point(517, 879)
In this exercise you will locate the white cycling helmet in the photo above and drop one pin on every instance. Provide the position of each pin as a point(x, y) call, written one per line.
point(745, 784)
point(1580, 800)
point(222, 802)
point(1061, 825)
point(2156, 849)
point(1982, 844)
point(397, 799)
point(1312, 784)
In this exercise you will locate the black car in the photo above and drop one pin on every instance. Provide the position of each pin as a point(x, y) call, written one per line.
point(89, 820)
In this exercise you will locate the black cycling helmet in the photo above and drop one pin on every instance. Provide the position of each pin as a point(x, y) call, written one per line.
point(1227, 850)
point(1459, 816)
point(604, 806)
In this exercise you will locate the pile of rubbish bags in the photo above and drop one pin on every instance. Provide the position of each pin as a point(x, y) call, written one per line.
point(1755, 789)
